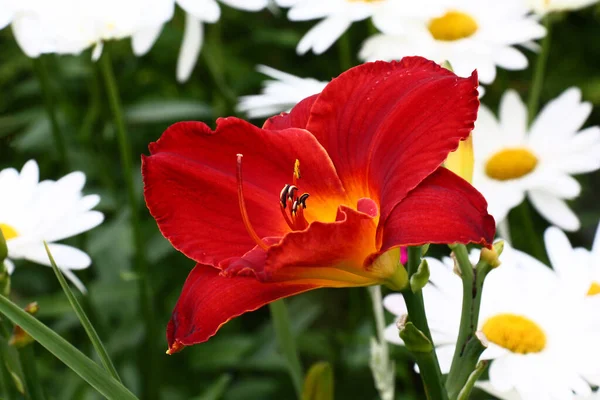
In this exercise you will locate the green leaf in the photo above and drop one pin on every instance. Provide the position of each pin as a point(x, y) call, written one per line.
point(64, 351)
point(85, 321)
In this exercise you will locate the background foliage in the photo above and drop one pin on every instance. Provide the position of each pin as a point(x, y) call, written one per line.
point(242, 360)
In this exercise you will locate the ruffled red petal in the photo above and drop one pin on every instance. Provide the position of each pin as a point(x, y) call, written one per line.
point(209, 300)
point(296, 118)
point(387, 126)
point(335, 254)
point(444, 208)
point(191, 190)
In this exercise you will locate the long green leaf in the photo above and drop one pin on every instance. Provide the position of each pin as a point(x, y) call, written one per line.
point(85, 321)
point(64, 351)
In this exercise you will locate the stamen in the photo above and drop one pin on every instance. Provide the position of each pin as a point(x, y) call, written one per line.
point(291, 192)
point(242, 205)
point(283, 195)
point(302, 200)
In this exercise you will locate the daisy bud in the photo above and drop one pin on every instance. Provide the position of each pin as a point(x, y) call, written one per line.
point(414, 340)
point(491, 256)
point(318, 384)
point(420, 278)
point(20, 338)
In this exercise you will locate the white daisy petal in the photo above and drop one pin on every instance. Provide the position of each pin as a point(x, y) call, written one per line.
point(391, 335)
point(321, 36)
point(143, 40)
point(513, 117)
point(554, 210)
point(203, 10)
point(395, 304)
point(190, 47)
point(248, 5)
point(75, 280)
point(66, 257)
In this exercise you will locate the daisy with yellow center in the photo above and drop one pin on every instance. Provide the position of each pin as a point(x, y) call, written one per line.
point(470, 34)
point(541, 338)
point(338, 15)
point(32, 212)
point(513, 160)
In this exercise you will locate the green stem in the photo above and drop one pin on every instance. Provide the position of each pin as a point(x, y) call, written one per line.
point(468, 346)
point(59, 140)
point(287, 343)
point(148, 359)
point(428, 363)
point(85, 322)
point(345, 53)
point(539, 73)
point(528, 234)
point(6, 380)
point(32, 383)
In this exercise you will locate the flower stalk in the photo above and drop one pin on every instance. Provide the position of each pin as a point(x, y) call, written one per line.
point(287, 343)
point(59, 140)
point(381, 365)
point(539, 72)
point(469, 345)
point(148, 358)
point(427, 361)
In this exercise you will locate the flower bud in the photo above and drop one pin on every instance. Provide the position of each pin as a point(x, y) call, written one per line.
point(318, 384)
point(414, 340)
point(420, 278)
point(19, 337)
point(491, 256)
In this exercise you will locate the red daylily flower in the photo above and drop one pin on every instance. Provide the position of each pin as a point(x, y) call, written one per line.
point(368, 149)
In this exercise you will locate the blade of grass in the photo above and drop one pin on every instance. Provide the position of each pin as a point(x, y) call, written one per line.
point(85, 321)
point(66, 352)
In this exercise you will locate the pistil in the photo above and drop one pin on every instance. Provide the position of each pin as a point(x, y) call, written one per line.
point(242, 205)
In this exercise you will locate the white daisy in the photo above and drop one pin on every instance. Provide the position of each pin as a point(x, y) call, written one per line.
point(541, 339)
point(470, 34)
point(512, 160)
point(337, 16)
point(542, 7)
point(32, 212)
point(71, 26)
point(278, 95)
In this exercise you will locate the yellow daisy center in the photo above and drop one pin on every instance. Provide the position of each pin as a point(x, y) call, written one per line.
point(594, 289)
point(8, 231)
point(515, 333)
point(454, 25)
point(510, 163)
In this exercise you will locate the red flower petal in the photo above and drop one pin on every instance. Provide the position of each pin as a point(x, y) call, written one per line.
point(209, 300)
point(296, 118)
point(387, 126)
point(444, 208)
point(191, 190)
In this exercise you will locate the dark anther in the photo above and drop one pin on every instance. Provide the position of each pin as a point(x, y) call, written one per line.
point(283, 195)
point(291, 193)
point(302, 200)
point(295, 207)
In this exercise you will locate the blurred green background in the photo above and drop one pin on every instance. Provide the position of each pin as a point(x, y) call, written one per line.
point(241, 361)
